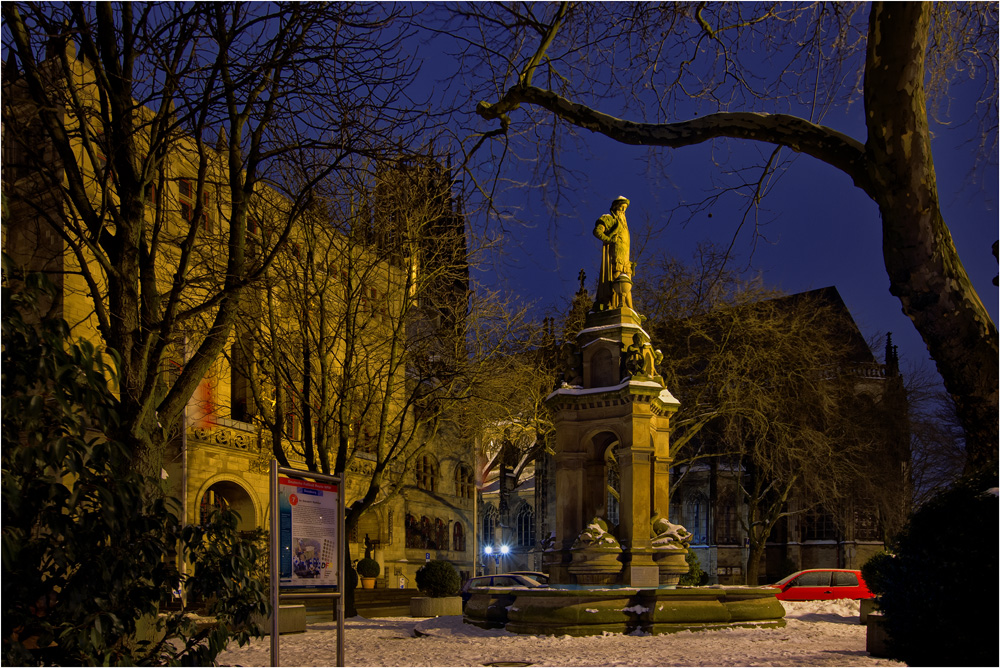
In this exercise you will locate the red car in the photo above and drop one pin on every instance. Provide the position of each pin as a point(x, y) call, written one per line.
point(819, 584)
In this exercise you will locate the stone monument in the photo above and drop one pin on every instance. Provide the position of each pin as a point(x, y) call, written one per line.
point(611, 414)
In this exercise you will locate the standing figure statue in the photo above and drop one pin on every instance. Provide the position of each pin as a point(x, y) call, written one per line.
point(614, 286)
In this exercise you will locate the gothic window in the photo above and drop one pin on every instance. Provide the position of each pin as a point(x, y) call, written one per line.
point(525, 526)
point(458, 538)
point(464, 485)
point(427, 473)
point(490, 517)
point(697, 517)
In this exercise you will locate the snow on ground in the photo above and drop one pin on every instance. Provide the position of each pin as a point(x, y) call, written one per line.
point(818, 633)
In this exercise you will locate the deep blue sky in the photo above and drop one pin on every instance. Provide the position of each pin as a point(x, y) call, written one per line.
point(821, 230)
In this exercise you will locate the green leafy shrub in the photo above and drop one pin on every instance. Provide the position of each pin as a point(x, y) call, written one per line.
point(938, 590)
point(368, 568)
point(695, 577)
point(874, 570)
point(86, 539)
point(438, 579)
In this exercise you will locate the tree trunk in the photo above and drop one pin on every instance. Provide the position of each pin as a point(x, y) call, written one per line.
point(925, 272)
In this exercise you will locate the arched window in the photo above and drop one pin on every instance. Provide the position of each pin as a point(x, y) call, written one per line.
point(426, 473)
point(525, 526)
point(440, 534)
point(464, 484)
point(414, 538)
point(458, 538)
point(697, 517)
point(427, 531)
point(613, 484)
point(490, 517)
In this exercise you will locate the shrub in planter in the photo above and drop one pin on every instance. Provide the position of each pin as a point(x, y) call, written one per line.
point(939, 588)
point(438, 579)
point(874, 571)
point(368, 568)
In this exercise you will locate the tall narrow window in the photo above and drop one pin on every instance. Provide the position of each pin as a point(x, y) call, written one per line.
point(458, 538)
point(426, 473)
point(525, 526)
point(464, 486)
point(188, 198)
point(613, 486)
point(490, 517)
point(241, 393)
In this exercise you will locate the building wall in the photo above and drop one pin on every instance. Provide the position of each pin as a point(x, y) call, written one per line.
point(215, 459)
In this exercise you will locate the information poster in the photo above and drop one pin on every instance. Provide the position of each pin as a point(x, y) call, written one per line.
point(308, 527)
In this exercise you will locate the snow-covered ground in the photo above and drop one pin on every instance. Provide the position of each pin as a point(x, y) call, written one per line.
point(818, 633)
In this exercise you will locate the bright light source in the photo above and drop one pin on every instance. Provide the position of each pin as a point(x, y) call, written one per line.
point(488, 549)
point(504, 549)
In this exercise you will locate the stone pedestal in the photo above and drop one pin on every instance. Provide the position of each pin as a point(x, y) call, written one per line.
point(595, 566)
point(671, 565)
point(619, 418)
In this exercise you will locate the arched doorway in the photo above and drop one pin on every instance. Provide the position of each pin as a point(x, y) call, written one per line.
point(226, 494)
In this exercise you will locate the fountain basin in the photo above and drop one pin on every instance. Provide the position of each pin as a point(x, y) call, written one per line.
point(593, 611)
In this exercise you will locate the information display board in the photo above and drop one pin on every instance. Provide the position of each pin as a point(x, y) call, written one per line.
point(308, 521)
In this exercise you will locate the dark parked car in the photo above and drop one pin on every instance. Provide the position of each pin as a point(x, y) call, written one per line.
point(820, 584)
point(500, 580)
point(543, 578)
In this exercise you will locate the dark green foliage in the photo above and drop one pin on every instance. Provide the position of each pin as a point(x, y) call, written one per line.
point(873, 571)
point(88, 541)
point(368, 568)
point(695, 577)
point(939, 590)
point(438, 579)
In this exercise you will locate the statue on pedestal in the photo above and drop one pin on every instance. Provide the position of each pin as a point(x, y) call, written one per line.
point(614, 286)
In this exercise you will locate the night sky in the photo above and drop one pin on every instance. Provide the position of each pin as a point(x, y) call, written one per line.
point(818, 228)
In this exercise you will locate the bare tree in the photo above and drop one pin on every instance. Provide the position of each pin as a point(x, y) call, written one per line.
point(736, 71)
point(146, 132)
point(769, 389)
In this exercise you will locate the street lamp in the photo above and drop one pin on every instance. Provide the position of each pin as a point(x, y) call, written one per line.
point(488, 550)
point(498, 554)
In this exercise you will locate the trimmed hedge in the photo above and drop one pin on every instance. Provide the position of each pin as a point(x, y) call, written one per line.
point(438, 579)
point(368, 568)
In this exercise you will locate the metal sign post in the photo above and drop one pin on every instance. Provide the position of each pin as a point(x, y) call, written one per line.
point(307, 548)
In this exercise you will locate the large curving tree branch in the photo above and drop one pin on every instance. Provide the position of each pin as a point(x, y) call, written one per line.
point(835, 148)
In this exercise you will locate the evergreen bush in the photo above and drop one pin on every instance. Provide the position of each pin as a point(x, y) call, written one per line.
point(695, 577)
point(368, 568)
point(939, 590)
point(88, 542)
point(874, 570)
point(438, 579)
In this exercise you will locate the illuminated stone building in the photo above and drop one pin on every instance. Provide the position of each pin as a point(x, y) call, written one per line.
point(220, 453)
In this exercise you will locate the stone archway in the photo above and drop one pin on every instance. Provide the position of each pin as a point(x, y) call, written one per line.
point(229, 494)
